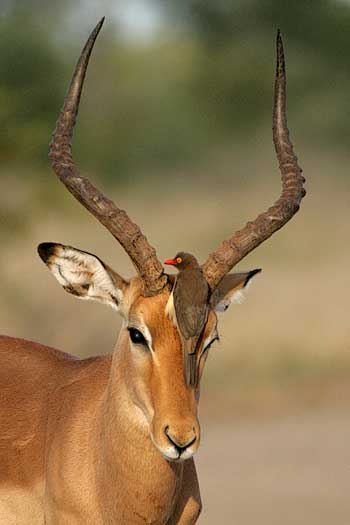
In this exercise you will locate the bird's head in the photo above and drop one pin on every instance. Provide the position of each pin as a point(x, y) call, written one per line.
point(182, 260)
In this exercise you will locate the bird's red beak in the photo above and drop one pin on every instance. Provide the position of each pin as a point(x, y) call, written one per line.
point(172, 262)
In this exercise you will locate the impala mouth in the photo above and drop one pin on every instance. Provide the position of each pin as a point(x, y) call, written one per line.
point(172, 453)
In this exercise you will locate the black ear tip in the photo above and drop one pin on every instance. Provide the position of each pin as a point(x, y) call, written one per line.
point(46, 250)
point(251, 274)
point(254, 272)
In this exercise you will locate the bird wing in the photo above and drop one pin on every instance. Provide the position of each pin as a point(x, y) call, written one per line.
point(191, 305)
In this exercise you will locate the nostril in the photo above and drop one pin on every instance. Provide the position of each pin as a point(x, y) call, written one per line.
point(179, 444)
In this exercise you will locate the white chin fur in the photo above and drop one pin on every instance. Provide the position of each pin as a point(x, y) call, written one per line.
point(171, 454)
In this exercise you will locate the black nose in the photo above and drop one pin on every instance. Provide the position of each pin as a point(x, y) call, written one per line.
point(178, 443)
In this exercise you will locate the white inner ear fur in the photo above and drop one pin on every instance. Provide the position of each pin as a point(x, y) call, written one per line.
point(84, 275)
point(233, 297)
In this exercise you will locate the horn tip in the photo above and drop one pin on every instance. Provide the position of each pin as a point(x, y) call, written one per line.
point(97, 28)
point(100, 22)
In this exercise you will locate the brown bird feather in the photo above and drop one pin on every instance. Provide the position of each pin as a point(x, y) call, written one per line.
point(188, 307)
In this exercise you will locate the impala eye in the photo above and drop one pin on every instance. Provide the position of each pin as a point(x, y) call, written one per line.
point(137, 337)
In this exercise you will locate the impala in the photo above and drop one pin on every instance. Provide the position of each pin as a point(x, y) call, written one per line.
point(111, 439)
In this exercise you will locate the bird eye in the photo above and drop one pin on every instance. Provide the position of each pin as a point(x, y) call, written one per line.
point(178, 260)
point(137, 337)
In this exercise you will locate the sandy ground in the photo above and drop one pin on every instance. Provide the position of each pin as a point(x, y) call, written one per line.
point(294, 470)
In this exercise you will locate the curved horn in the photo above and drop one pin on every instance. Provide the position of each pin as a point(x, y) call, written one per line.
point(232, 250)
point(114, 219)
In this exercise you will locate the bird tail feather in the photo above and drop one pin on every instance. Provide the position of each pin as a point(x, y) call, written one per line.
point(190, 360)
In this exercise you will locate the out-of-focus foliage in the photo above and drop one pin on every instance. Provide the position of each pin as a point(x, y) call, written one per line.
point(30, 72)
point(205, 79)
point(236, 37)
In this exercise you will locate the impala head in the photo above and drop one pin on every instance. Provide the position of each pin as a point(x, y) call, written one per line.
point(150, 347)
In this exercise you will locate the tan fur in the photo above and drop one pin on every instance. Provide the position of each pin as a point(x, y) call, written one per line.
point(77, 441)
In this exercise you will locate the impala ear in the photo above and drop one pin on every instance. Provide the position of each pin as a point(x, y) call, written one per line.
point(231, 289)
point(83, 274)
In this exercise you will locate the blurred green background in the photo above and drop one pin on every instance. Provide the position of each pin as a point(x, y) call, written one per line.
point(175, 124)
